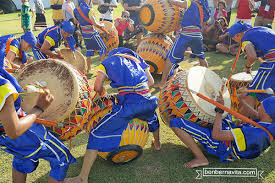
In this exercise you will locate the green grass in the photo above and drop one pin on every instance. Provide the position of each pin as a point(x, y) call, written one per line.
point(165, 166)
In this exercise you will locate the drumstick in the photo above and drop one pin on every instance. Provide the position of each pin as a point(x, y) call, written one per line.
point(11, 70)
point(32, 89)
point(268, 91)
point(48, 123)
point(237, 115)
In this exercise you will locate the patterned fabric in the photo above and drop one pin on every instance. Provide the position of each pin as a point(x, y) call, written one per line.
point(245, 146)
point(26, 17)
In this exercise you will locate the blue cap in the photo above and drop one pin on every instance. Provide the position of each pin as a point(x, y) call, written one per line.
point(67, 26)
point(237, 28)
point(269, 106)
point(30, 38)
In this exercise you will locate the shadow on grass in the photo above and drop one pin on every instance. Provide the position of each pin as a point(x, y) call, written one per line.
point(167, 166)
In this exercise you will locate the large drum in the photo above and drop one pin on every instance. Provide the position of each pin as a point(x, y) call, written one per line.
point(71, 91)
point(159, 16)
point(239, 81)
point(153, 49)
point(111, 40)
point(176, 99)
point(78, 61)
point(133, 138)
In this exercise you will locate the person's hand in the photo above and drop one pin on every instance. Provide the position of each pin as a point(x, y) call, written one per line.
point(103, 93)
point(58, 56)
point(131, 21)
point(241, 96)
point(220, 99)
point(44, 100)
point(247, 70)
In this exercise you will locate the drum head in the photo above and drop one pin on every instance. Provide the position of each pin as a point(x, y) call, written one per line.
point(59, 78)
point(208, 83)
point(243, 76)
point(79, 62)
point(109, 26)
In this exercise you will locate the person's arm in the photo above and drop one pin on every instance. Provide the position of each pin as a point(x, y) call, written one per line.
point(216, 15)
point(64, 14)
point(45, 48)
point(99, 81)
point(180, 4)
point(113, 4)
point(222, 37)
point(150, 77)
point(10, 57)
point(117, 22)
point(251, 5)
point(237, 4)
point(127, 8)
point(15, 127)
point(251, 56)
point(218, 133)
point(249, 109)
point(131, 25)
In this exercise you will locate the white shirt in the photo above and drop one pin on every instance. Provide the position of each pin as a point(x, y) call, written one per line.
point(109, 14)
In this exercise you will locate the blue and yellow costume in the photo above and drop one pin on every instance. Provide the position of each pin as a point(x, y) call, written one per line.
point(11, 43)
point(92, 39)
point(249, 141)
point(133, 101)
point(54, 37)
point(36, 143)
point(189, 36)
point(263, 40)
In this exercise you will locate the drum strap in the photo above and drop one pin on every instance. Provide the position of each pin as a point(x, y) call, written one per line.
point(88, 20)
point(201, 12)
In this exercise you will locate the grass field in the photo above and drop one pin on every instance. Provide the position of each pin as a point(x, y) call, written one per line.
point(164, 166)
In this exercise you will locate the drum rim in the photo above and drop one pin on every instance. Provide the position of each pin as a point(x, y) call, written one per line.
point(236, 80)
point(75, 93)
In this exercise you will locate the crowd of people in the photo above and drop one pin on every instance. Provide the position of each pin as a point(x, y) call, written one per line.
point(128, 72)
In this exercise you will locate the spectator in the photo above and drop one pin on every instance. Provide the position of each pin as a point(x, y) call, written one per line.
point(226, 44)
point(228, 9)
point(26, 22)
point(213, 8)
point(266, 13)
point(67, 10)
point(109, 5)
point(56, 5)
point(133, 6)
point(220, 12)
point(40, 20)
point(123, 23)
point(244, 13)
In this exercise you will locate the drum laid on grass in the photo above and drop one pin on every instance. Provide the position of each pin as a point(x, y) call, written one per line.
point(71, 91)
point(79, 62)
point(239, 81)
point(133, 138)
point(176, 99)
point(111, 40)
point(153, 49)
point(159, 16)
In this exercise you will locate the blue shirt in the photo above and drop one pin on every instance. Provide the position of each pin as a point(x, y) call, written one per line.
point(52, 35)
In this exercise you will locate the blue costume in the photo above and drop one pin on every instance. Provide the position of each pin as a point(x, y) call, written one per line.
point(54, 37)
point(263, 40)
point(189, 36)
point(133, 101)
point(249, 141)
point(36, 143)
point(11, 43)
point(92, 39)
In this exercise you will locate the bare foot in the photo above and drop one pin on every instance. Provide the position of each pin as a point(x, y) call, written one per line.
point(203, 63)
point(196, 163)
point(77, 179)
point(156, 144)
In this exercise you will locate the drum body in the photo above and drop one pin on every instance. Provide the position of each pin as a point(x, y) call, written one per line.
point(111, 40)
point(133, 138)
point(153, 49)
point(177, 101)
point(71, 91)
point(159, 16)
point(238, 81)
point(79, 62)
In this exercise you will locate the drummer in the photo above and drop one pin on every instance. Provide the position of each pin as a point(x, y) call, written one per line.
point(189, 36)
point(226, 140)
point(252, 39)
point(130, 74)
point(26, 141)
point(13, 48)
point(51, 38)
point(86, 18)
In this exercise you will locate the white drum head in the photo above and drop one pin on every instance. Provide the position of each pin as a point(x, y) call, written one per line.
point(208, 83)
point(243, 76)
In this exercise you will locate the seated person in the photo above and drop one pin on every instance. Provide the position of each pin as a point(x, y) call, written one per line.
point(15, 49)
point(25, 140)
point(226, 140)
point(127, 71)
point(123, 23)
point(212, 33)
point(226, 44)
